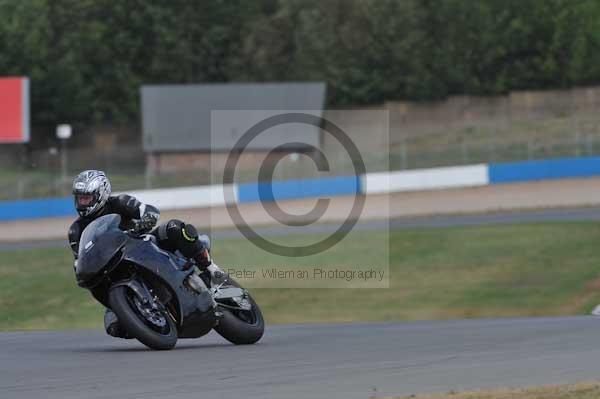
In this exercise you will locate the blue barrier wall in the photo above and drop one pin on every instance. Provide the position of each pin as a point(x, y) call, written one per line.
point(544, 169)
point(330, 186)
point(36, 208)
point(293, 189)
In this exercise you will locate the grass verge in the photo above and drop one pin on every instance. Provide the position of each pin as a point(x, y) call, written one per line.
point(588, 390)
point(520, 270)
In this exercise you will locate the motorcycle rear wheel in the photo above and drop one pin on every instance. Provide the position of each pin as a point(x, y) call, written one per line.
point(241, 327)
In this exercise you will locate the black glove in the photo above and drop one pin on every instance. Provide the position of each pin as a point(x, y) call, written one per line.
point(145, 224)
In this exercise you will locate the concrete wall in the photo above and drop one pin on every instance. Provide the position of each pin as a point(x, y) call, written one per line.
point(409, 119)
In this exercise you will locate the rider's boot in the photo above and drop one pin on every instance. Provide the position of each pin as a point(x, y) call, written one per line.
point(204, 261)
point(205, 274)
point(217, 275)
point(112, 326)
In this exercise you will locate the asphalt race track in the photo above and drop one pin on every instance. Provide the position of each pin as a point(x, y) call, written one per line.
point(306, 361)
point(315, 361)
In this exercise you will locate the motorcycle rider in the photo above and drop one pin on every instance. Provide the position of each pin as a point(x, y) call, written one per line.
point(92, 197)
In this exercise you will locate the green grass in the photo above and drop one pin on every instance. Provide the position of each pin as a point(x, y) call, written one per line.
point(19, 184)
point(552, 137)
point(521, 270)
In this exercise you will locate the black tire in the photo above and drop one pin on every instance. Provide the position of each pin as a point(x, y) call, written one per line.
point(238, 331)
point(135, 326)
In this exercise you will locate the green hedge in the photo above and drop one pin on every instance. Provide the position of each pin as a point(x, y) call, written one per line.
point(87, 58)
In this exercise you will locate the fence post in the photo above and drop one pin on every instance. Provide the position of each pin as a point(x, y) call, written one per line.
point(403, 154)
point(491, 150)
point(21, 188)
point(149, 158)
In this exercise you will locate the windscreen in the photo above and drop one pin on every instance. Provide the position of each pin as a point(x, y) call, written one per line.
point(99, 242)
point(95, 229)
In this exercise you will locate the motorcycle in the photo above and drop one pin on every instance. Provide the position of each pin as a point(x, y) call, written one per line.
point(156, 296)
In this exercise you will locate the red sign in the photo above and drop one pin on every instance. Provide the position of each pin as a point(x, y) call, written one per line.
point(14, 110)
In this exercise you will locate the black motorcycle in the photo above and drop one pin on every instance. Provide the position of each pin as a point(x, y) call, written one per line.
point(157, 297)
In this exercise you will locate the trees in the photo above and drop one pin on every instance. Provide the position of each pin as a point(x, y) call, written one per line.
point(87, 58)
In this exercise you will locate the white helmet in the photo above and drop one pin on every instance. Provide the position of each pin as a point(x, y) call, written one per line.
point(91, 190)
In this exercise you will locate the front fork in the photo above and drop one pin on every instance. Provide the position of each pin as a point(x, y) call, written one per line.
point(148, 300)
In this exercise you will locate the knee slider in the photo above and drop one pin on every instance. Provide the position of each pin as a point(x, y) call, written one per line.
point(183, 237)
point(189, 244)
point(189, 233)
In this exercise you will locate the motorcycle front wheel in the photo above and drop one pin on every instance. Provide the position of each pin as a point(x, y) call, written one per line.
point(151, 327)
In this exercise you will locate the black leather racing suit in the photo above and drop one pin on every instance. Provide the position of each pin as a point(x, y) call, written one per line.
point(130, 210)
point(171, 236)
